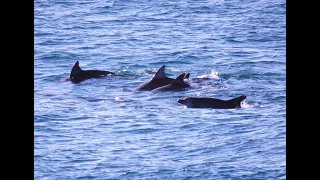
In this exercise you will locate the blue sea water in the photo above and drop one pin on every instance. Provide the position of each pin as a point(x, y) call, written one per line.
point(104, 129)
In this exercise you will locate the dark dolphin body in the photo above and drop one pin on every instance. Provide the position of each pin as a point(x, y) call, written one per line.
point(159, 79)
point(176, 85)
point(196, 102)
point(77, 74)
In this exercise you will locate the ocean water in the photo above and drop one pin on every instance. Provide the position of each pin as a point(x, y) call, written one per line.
point(104, 129)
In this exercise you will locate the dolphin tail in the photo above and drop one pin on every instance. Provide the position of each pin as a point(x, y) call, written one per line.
point(237, 101)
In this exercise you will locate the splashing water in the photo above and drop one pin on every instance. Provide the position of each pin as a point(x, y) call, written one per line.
point(213, 74)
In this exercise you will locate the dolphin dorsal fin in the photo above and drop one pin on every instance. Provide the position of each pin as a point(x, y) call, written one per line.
point(76, 65)
point(187, 76)
point(179, 79)
point(75, 69)
point(160, 73)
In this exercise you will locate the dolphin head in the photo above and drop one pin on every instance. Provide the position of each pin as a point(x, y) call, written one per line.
point(237, 101)
point(186, 102)
point(182, 101)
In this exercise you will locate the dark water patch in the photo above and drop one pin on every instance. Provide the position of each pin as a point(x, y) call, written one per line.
point(83, 160)
point(86, 177)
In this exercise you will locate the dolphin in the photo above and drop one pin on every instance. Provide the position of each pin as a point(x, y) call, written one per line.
point(176, 85)
point(198, 102)
point(77, 74)
point(186, 76)
point(159, 79)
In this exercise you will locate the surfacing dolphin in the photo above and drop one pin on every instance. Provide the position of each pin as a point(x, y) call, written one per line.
point(77, 74)
point(176, 85)
point(159, 79)
point(198, 102)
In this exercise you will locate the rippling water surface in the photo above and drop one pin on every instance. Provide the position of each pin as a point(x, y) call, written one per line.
point(104, 129)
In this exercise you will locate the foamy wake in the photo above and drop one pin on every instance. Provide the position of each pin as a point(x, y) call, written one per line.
point(213, 74)
point(244, 104)
point(119, 99)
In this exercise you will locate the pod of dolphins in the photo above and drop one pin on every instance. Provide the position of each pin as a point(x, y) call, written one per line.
point(160, 82)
